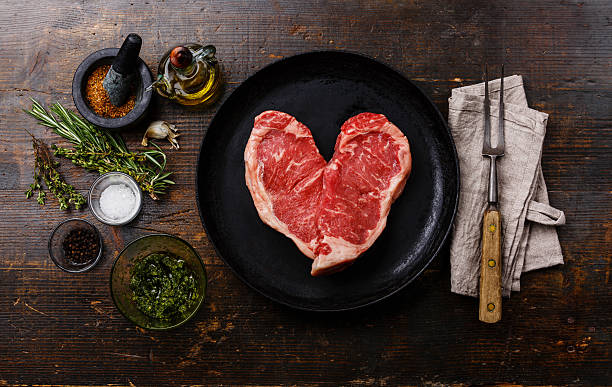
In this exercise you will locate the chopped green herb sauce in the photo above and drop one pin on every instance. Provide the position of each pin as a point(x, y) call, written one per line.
point(164, 286)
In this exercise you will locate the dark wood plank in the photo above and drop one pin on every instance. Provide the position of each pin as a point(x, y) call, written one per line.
point(59, 328)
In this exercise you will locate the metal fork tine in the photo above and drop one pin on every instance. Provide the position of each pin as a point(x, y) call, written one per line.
point(487, 111)
point(500, 133)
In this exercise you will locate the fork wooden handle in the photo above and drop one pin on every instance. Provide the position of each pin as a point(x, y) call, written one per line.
point(490, 309)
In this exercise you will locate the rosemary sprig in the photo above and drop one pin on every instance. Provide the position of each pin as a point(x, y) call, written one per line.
point(44, 169)
point(99, 150)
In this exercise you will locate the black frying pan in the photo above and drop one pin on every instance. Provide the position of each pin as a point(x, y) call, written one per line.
point(322, 90)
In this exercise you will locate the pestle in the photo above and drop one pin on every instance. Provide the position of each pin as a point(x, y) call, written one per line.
point(119, 79)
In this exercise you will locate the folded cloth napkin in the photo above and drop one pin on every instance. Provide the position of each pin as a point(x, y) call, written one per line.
point(529, 238)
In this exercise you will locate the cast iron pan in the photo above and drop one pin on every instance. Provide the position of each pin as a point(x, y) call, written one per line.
point(322, 90)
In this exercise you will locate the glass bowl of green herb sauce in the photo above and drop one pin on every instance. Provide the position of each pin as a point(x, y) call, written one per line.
point(158, 282)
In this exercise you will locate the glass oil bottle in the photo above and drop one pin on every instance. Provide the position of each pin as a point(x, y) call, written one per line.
point(189, 75)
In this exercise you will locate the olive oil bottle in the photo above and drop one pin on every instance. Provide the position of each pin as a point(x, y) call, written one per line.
point(189, 75)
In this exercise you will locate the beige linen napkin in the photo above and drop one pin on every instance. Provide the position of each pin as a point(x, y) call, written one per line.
point(529, 239)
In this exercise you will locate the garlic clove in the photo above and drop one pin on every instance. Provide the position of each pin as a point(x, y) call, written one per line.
point(160, 130)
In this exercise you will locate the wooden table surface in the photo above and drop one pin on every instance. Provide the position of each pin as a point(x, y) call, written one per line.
point(58, 328)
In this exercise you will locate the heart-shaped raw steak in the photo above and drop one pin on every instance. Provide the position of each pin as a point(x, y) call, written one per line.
point(332, 211)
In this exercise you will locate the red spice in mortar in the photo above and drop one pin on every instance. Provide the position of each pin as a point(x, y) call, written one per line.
point(98, 99)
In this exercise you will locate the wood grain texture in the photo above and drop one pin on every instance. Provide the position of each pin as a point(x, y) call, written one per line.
point(64, 329)
point(490, 294)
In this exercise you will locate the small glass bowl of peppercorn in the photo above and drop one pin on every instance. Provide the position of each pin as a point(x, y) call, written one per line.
point(75, 245)
point(158, 282)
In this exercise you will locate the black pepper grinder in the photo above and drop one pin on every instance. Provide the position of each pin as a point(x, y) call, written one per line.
point(119, 79)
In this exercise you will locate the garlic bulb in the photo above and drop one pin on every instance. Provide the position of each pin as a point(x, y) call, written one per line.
point(160, 130)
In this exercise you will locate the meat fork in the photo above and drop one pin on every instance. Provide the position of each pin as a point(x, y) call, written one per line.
point(490, 308)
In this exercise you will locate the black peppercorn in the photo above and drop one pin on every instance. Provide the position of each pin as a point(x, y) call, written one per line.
point(81, 246)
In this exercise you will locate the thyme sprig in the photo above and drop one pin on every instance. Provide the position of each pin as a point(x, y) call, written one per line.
point(45, 170)
point(98, 150)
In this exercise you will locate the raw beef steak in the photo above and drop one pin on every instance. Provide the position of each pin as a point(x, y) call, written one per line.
point(284, 172)
point(332, 211)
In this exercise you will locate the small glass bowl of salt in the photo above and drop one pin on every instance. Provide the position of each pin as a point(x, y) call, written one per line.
point(115, 198)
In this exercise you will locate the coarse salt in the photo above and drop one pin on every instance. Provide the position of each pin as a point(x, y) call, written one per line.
point(117, 201)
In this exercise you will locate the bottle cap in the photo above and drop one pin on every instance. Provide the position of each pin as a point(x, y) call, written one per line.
point(181, 57)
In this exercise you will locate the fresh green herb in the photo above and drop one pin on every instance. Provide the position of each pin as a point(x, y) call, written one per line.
point(163, 286)
point(45, 170)
point(99, 150)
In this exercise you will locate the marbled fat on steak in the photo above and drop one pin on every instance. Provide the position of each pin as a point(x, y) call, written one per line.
point(332, 211)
